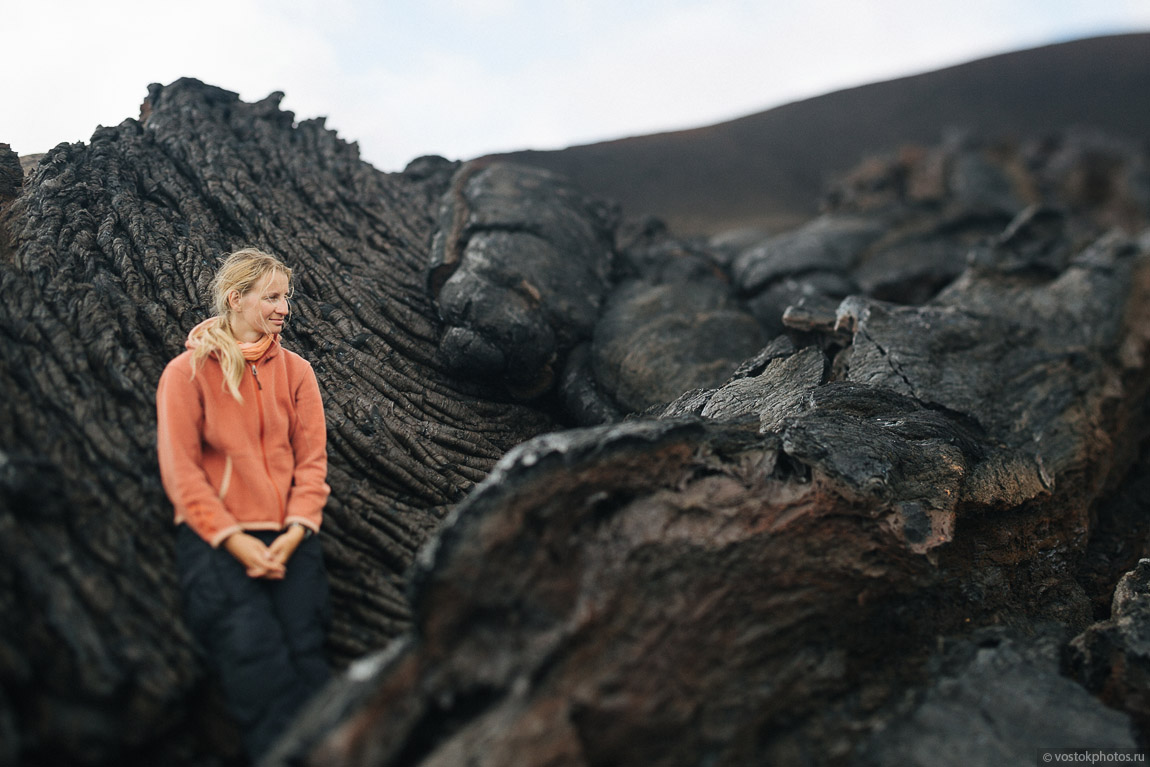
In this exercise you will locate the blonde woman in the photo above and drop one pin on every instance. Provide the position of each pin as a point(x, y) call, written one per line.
point(242, 450)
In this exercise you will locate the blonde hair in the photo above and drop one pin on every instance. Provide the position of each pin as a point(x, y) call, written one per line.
point(242, 271)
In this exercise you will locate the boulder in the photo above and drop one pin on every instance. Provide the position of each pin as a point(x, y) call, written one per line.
point(833, 244)
point(519, 270)
point(670, 324)
point(654, 342)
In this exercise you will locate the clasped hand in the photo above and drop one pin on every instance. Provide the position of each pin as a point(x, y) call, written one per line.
point(262, 560)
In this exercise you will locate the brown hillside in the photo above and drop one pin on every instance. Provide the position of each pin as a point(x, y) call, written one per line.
point(768, 170)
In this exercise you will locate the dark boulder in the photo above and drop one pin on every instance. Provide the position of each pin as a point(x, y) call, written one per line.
point(519, 270)
point(670, 324)
point(815, 261)
point(1096, 175)
point(654, 342)
point(952, 204)
point(832, 244)
point(979, 181)
point(913, 263)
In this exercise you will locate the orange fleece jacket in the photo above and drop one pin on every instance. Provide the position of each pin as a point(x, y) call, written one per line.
point(256, 465)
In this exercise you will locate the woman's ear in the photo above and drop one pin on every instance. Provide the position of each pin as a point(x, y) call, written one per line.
point(234, 300)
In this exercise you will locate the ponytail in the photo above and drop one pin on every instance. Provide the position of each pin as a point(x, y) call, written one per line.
point(216, 339)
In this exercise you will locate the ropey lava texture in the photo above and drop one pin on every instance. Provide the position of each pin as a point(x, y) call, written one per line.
point(805, 463)
point(107, 254)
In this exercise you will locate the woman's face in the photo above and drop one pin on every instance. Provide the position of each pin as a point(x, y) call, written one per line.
point(262, 310)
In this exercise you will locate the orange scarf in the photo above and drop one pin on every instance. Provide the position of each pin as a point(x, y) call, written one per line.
point(251, 351)
point(257, 349)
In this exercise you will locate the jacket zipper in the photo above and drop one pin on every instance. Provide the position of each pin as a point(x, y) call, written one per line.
point(263, 449)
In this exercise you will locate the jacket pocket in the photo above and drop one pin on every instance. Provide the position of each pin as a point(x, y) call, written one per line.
point(226, 479)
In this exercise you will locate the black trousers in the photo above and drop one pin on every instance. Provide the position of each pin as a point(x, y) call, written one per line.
point(263, 638)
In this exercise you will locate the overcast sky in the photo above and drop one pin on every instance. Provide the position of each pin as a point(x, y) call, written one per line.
point(466, 77)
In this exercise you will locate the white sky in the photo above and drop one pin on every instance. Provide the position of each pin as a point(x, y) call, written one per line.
point(462, 78)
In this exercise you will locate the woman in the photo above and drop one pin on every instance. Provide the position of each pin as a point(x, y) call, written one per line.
point(242, 449)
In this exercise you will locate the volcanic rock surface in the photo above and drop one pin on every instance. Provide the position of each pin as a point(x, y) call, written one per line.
point(109, 249)
point(824, 487)
point(519, 268)
point(760, 574)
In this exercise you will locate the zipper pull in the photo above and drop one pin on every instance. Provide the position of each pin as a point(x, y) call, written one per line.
point(257, 375)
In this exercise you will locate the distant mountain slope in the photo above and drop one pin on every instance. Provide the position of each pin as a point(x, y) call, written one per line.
point(768, 170)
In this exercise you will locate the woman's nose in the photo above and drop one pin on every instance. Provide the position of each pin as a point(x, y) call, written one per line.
point(282, 306)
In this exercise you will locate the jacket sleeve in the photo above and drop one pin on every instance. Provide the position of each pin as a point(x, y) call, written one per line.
point(179, 445)
point(309, 490)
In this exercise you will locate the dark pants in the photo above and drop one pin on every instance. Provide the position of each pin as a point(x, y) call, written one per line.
point(263, 638)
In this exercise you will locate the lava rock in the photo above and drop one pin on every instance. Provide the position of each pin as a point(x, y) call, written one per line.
point(519, 270)
point(998, 699)
point(760, 586)
point(827, 244)
point(1112, 657)
point(654, 342)
point(11, 174)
